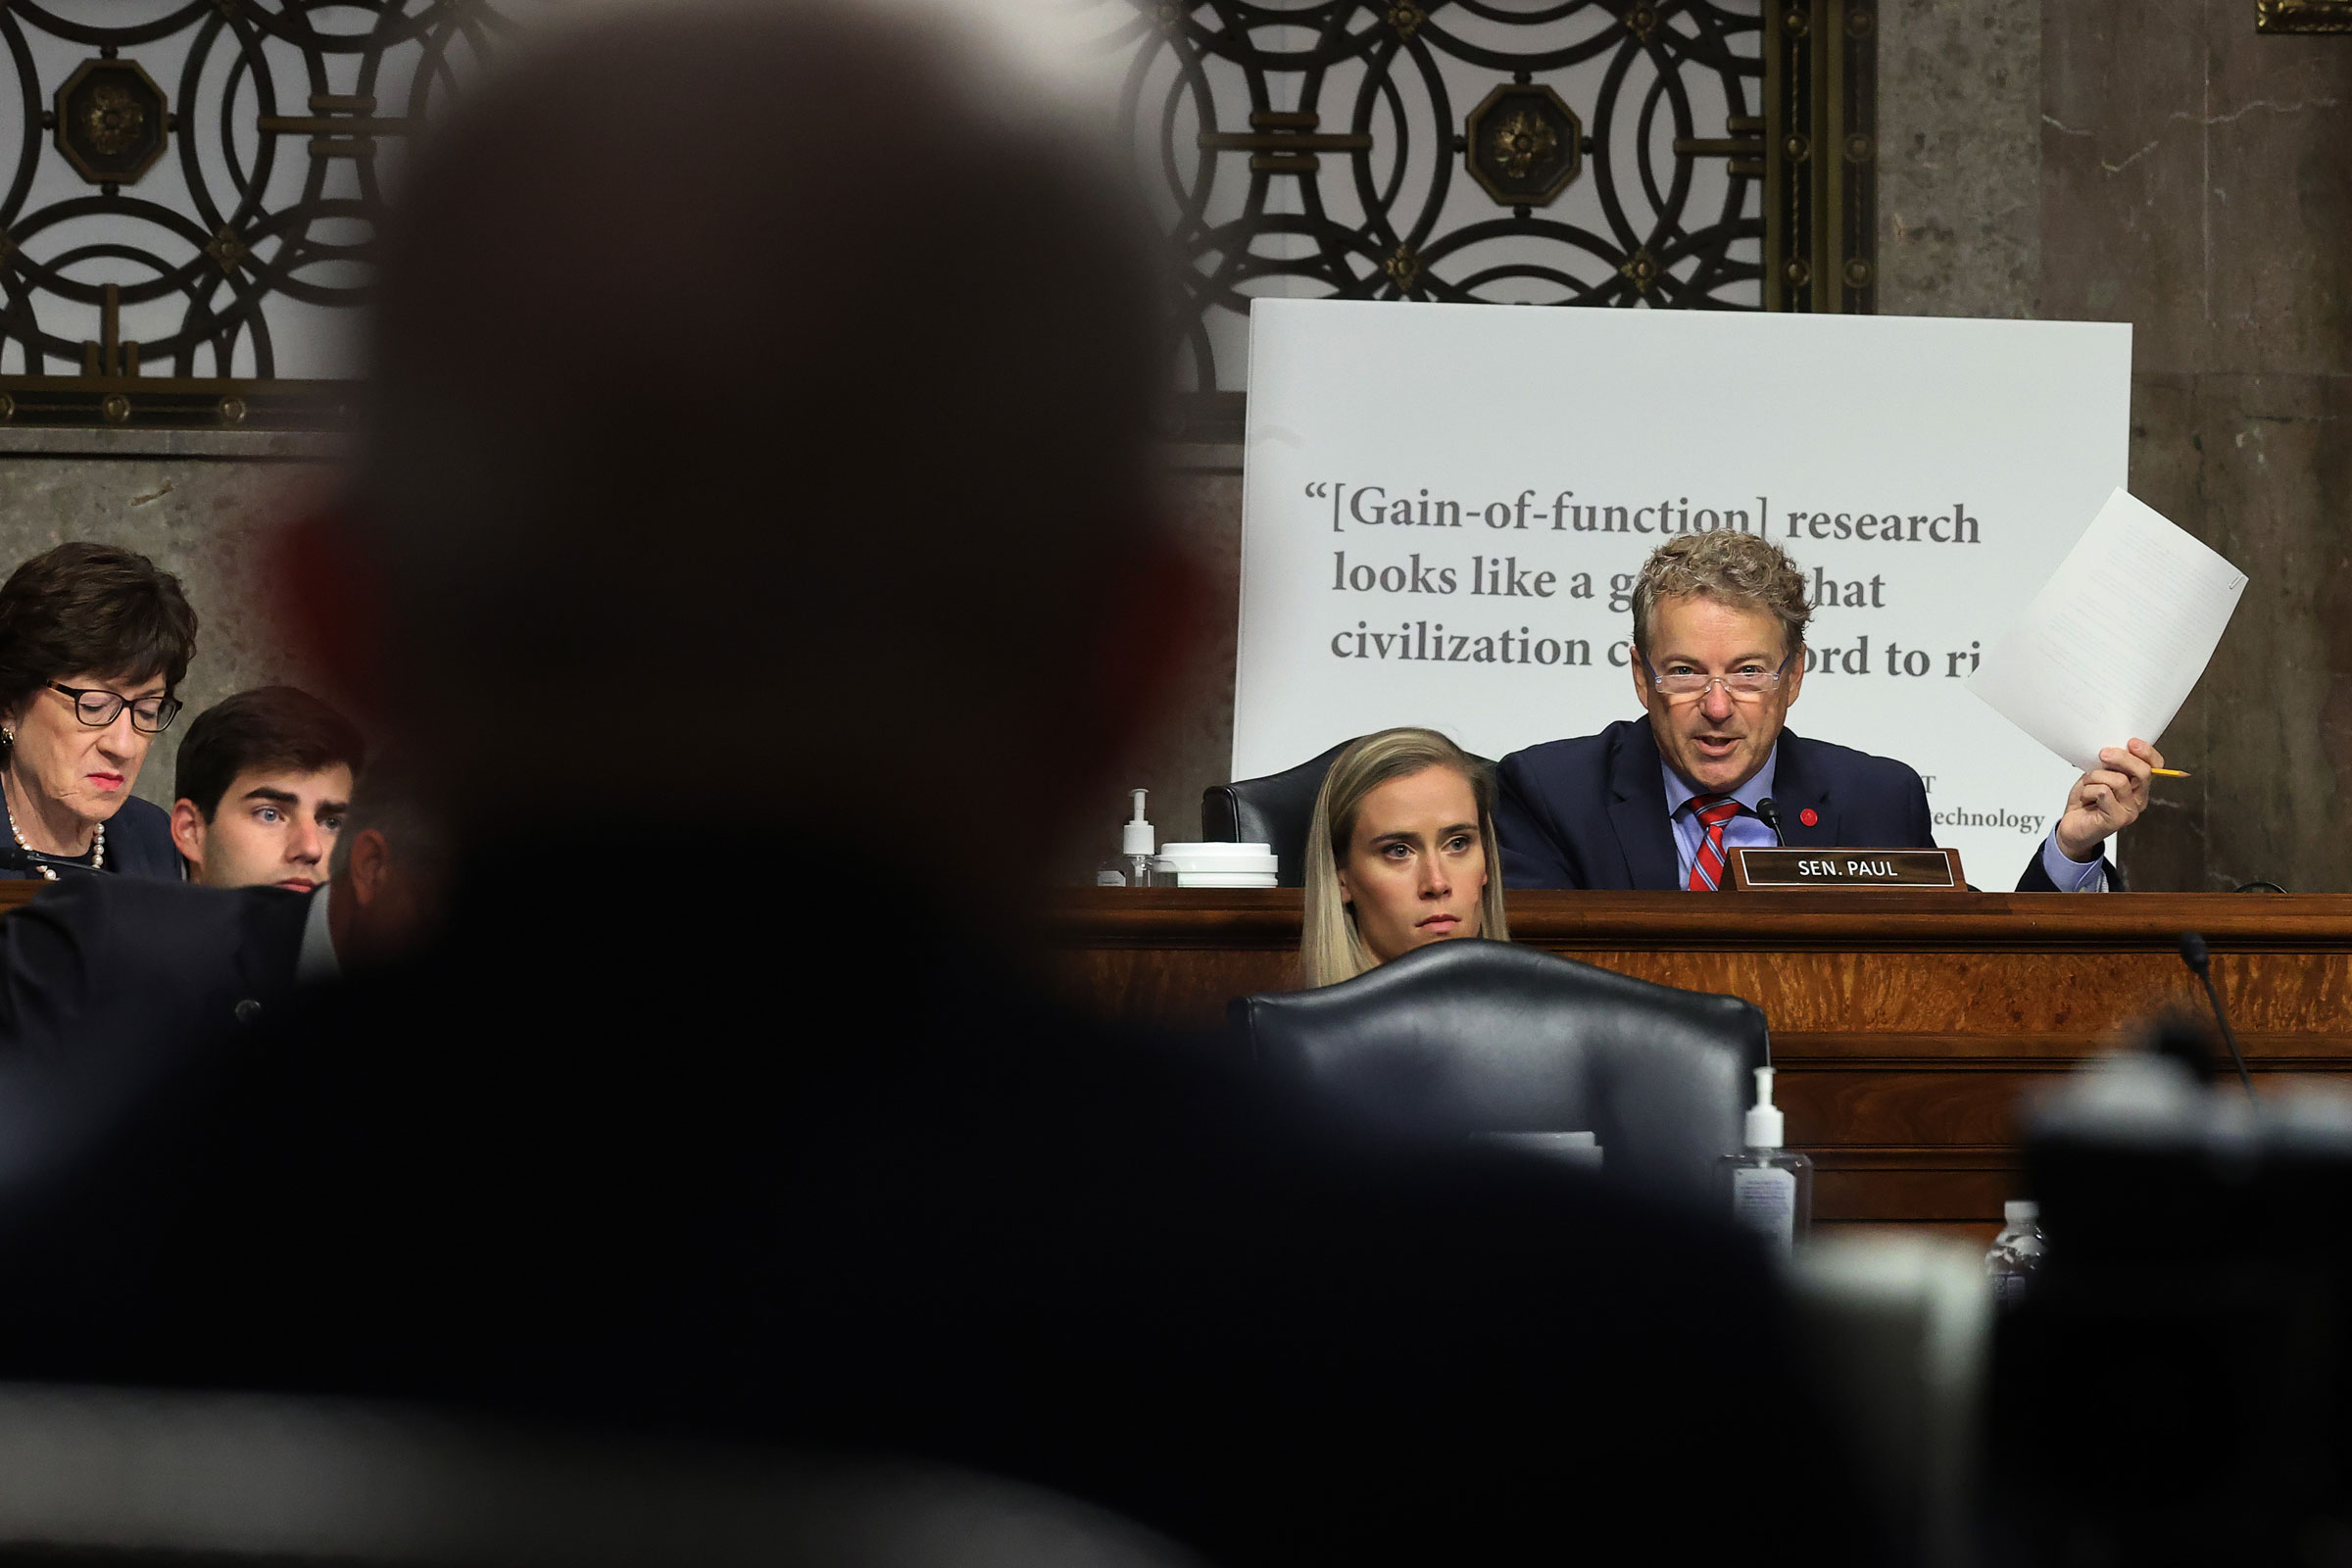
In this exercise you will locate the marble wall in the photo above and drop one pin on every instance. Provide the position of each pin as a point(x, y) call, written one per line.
point(1959, 157)
point(1194, 748)
point(2196, 181)
point(2160, 163)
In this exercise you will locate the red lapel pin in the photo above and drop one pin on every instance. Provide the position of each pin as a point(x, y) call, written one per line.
point(1809, 816)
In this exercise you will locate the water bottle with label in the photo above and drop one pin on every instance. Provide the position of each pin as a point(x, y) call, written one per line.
point(1770, 1187)
point(2016, 1254)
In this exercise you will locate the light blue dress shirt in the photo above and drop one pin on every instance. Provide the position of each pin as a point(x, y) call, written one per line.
point(1749, 831)
point(315, 960)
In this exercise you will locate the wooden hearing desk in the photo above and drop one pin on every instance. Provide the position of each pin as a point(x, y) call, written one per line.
point(1906, 1025)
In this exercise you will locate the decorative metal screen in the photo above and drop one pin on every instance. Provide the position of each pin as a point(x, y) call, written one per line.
point(1671, 154)
point(186, 224)
point(192, 195)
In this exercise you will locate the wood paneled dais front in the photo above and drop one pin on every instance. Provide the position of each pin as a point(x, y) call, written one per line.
point(1907, 1026)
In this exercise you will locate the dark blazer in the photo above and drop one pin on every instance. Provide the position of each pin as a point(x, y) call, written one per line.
point(138, 844)
point(1590, 812)
point(102, 957)
point(692, 1165)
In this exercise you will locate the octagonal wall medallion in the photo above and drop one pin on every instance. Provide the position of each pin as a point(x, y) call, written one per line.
point(1525, 145)
point(112, 121)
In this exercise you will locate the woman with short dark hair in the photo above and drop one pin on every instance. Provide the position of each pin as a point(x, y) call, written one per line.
point(94, 641)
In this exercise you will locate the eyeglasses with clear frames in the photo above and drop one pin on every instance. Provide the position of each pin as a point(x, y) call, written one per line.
point(150, 715)
point(1740, 683)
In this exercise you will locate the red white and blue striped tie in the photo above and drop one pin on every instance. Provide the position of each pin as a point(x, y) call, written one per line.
point(1707, 868)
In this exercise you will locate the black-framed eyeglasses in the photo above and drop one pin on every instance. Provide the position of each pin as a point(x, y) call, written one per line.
point(1740, 683)
point(97, 709)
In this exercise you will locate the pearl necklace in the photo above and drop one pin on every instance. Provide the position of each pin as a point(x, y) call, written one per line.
point(49, 872)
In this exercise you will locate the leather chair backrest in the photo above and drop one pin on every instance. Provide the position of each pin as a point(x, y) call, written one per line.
point(1466, 1036)
point(1275, 809)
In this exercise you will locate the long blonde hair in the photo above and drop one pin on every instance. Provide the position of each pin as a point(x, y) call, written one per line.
point(1329, 946)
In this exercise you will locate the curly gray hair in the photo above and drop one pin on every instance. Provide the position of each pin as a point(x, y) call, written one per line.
point(1739, 567)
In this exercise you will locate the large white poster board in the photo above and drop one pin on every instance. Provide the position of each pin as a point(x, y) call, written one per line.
point(1444, 506)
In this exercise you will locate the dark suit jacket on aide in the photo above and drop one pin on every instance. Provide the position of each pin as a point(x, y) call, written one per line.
point(104, 959)
point(1590, 812)
point(732, 1162)
point(138, 845)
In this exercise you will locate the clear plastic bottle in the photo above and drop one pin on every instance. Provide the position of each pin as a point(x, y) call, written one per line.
point(1771, 1188)
point(2016, 1253)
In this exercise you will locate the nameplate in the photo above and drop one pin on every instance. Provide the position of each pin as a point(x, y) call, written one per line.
point(1767, 870)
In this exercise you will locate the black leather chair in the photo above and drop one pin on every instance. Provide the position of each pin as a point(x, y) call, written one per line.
point(1467, 1037)
point(1275, 809)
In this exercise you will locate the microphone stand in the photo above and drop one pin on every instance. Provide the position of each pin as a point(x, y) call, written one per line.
point(15, 857)
point(2200, 963)
point(30, 862)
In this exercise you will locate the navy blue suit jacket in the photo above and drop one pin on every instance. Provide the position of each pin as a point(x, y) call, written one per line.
point(139, 843)
point(139, 961)
point(1590, 812)
point(972, 1230)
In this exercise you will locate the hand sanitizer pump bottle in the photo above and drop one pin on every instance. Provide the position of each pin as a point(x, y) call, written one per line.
point(1770, 1187)
point(1133, 866)
point(1137, 845)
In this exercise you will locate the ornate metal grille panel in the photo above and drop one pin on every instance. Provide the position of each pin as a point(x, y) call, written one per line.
point(186, 219)
point(1669, 154)
point(192, 189)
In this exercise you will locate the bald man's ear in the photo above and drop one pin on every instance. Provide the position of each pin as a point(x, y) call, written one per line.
point(330, 601)
point(370, 865)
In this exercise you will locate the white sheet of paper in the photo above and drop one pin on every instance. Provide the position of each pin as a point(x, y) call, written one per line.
point(2115, 641)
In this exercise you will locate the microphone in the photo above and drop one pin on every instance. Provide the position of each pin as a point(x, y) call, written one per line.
point(29, 862)
point(2200, 964)
point(1771, 813)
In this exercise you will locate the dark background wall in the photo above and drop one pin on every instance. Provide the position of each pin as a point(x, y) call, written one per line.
point(2196, 180)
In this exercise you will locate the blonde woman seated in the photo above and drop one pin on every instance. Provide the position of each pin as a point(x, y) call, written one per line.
point(1401, 854)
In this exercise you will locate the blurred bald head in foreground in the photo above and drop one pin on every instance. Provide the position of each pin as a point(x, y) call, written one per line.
point(761, 410)
point(753, 386)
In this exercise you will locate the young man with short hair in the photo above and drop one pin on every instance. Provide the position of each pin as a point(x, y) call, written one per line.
point(263, 784)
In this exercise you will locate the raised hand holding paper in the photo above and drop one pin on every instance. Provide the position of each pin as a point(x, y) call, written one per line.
point(2114, 643)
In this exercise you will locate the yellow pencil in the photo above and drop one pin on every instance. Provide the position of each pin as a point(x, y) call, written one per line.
point(2168, 772)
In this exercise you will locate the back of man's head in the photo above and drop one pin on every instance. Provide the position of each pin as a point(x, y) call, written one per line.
point(759, 402)
point(390, 869)
point(385, 803)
